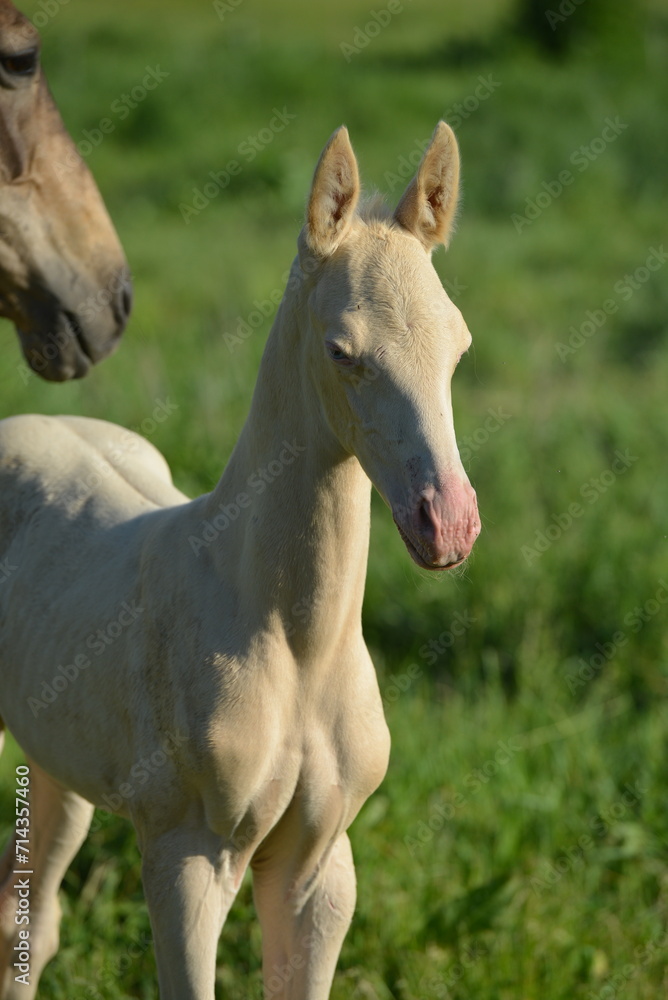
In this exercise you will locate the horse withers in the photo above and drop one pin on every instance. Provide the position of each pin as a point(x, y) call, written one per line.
point(220, 639)
point(64, 280)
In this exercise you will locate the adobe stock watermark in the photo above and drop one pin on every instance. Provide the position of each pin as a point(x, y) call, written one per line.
point(454, 287)
point(454, 115)
point(22, 949)
point(93, 305)
point(46, 11)
point(262, 309)
point(591, 491)
point(574, 856)
point(106, 466)
point(624, 289)
point(257, 484)
point(143, 770)
point(248, 149)
point(633, 622)
point(617, 985)
point(223, 7)
point(96, 643)
point(439, 987)
point(581, 158)
point(86, 311)
point(458, 113)
point(444, 810)
point(301, 269)
point(565, 9)
point(493, 422)
point(50, 349)
point(265, 308)
point(364, 34)
point(430, 652)
point(6, 570)
point(120, 109)
point(107, 978)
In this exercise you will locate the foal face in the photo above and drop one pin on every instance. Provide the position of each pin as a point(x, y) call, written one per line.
point(385, 341)
point(389, 340)
point(63, 277)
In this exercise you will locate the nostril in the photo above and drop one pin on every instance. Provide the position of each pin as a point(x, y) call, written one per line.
point(426, 518)
point(127, 300)
point(124, 300)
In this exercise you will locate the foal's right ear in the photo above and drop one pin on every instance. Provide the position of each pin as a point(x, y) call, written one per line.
point(334, 194)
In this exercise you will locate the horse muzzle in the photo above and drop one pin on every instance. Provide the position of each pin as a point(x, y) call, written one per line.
point(440, 524)
point(61, 343)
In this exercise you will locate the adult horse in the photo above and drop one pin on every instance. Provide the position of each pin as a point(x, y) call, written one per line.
point(199, 666)
point(64, 280)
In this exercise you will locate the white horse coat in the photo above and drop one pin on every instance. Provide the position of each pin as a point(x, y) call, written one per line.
point(199, 666)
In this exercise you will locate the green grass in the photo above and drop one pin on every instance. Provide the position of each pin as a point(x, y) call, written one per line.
point(473, 905)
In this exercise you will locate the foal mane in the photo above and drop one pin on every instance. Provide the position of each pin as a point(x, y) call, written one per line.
point(374, 208)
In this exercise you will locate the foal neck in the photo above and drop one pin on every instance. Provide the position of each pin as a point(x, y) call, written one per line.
point(303, 539)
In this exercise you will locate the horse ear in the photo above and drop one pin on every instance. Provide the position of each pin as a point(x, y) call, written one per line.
point(429, 203)
point(334, 194)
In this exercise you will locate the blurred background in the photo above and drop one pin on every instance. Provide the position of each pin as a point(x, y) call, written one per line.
point(518, 846)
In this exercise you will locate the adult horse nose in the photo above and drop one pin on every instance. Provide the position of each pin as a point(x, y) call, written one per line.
point(123, 300)
point(447, 521)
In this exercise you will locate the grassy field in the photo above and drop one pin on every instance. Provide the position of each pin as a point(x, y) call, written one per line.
point(518, 847)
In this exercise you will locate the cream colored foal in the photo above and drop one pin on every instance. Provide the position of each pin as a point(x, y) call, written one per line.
point(199, 666)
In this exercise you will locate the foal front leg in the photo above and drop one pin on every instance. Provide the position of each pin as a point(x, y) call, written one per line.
point(303, 930)
point(190, 884)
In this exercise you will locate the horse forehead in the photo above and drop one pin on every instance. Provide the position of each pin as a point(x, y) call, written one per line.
point(387, 270)
point(15, 28)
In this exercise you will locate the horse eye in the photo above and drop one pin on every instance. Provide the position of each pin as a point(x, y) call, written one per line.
point(336, 354)
point(21, 64)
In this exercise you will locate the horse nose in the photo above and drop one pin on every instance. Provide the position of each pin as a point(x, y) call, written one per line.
point(123, 300)
point(447, 520)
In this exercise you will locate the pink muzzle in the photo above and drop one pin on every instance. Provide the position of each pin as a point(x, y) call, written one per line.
point(441, 525)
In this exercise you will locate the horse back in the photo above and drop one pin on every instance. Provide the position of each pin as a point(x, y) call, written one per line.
point(69, 460)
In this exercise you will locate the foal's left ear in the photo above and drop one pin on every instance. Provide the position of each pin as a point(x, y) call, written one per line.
point(334, 194)
point(428, 206)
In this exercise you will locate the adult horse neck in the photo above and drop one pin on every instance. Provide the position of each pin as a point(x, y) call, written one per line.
point(64, 281)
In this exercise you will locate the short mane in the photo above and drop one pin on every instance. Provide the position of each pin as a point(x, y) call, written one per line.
point(373, 208)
